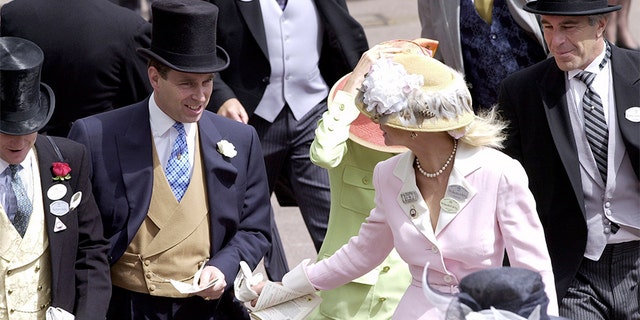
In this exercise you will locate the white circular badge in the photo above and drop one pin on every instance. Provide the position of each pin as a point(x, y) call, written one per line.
point(57, 191)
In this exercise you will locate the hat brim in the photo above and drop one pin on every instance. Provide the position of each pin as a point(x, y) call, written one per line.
point(566, 9)
point(362, 130)
point(42, 115)
point(192, 64)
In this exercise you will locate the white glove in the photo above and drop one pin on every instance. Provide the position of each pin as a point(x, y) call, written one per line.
point(55, 313)
point(244, 281)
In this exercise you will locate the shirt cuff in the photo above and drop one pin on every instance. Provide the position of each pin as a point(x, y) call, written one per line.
point(297, 279)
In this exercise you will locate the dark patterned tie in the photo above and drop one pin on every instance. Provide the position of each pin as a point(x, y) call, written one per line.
point(594, 121)
point(23, 203)
point(177, 170)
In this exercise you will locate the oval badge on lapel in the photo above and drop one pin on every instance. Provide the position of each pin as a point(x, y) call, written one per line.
point(59, 208)
point(449, 205)
point(632, 114)
point(56, 191)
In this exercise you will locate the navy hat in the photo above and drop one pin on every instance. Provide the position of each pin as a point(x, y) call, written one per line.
point(183, 36)
point(514, 293)
point(570, 7)
point(26, 104)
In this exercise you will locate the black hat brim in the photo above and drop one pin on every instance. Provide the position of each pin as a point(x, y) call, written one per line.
point(221, 61)
point(41, 115)
point(566, 10)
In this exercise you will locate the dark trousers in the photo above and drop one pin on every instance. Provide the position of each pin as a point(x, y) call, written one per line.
point(129, 305)
point(285, 145)
point(607, 289)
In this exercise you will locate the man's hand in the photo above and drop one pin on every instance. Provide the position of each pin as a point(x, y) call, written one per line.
point(209, 273)
point(233, 109)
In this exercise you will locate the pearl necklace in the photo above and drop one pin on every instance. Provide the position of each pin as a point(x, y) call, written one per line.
point(444, 167)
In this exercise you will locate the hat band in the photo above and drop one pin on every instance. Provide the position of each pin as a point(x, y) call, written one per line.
point(567, 6)
point(20, 116)
point(178, 59)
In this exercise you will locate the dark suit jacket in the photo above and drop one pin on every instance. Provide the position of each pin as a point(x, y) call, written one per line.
point(90, 58)
point(534, 101)
point(81, 283)
point(241, 33)
point(120, 144)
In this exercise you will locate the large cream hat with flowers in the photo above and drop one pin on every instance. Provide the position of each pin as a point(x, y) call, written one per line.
point(415, 92)
point(362, 130)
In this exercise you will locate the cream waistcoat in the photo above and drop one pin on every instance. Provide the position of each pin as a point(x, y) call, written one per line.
point(173, 240)
point(25, 264)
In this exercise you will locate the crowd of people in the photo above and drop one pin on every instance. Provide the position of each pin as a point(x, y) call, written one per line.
point(439, 177)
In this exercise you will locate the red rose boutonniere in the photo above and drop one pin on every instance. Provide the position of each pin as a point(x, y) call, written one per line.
point(61, 171)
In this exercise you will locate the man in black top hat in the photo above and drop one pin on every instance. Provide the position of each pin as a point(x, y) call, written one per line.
point(53, 257)
point(183, 192)
point(575, 127)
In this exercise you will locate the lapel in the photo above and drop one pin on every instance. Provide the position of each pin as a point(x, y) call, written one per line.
point(553, 92)
point(220, 176)
point(133, 146)
point(409, 198)
point(626, 85)
point(459, 191)
point(46, 156)
point(252, 14)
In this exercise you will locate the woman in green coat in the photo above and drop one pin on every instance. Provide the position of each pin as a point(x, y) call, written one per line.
point(349, 145)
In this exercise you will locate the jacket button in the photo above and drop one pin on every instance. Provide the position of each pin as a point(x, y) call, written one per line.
point(382, 299)
point(9, 291)
point(152, 288)
point(386, 269)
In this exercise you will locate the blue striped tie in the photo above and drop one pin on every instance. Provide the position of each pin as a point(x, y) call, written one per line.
point(594, 121)
point(177, 170)
point(23, 203)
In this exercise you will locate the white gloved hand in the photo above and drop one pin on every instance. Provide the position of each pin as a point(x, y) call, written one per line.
point(244, 281)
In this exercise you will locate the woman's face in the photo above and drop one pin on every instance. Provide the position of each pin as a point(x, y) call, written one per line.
point(393, 136)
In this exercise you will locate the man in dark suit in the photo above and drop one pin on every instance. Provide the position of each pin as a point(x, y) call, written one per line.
point(53, 257)
point(180, 189)
point(585, 177)
point(89, 47)
point(284, 57)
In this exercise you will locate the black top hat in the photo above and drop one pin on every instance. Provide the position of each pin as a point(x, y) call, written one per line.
point(570, 7)
point(26, 105)
point(183, 36)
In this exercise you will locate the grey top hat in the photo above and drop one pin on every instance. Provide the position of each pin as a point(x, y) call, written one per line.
point(183, 36)
point(26, 105)
point(570, 7)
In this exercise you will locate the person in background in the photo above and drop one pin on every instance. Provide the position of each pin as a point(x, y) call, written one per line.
point(485, 39)
point(284, 55)
point(90, 60)
point(575, 127)
point(618, 30)
point(452, 200)
point(349, 145)
point(53, 257)
point(183, 192)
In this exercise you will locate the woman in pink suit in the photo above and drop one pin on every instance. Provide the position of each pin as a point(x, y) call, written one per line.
point(452, 201)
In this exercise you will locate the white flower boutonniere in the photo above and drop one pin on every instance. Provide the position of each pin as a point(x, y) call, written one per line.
point(227, 149)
